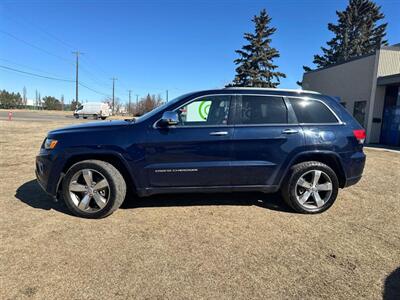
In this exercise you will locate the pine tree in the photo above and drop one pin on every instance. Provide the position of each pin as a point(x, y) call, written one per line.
point(356, 33)
point(255, 65)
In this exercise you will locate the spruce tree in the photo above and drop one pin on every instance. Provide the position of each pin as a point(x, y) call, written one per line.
point(356, 33)
point(255, 64)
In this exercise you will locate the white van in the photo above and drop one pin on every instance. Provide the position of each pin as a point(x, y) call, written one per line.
point(93, 109)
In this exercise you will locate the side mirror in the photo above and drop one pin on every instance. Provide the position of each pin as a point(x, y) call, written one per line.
point(169, 118)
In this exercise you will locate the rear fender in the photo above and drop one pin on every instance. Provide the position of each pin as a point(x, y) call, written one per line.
point(329, 158)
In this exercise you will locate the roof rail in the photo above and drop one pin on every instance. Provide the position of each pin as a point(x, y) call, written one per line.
point(270, 89)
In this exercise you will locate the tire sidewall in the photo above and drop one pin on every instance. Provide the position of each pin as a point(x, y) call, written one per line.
point(295, 177)
point(112, 186)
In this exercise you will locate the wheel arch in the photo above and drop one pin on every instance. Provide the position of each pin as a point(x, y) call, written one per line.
point(331, 159)
point(116, 160)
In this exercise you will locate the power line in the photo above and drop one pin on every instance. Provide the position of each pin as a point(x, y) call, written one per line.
point(52, 78)
point(97, 66)
point(93, 90)
point(28, 24)
point(34, 74)
point(28, 67)
point(94, 78)
point(55, 55)
point(49, 53)
point(34, 46)
point(41, 49)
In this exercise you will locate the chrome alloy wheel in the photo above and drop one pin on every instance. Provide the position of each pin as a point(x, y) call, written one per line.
point(89, 190)
point(313, 189)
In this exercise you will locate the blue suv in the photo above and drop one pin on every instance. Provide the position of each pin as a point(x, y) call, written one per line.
point(235, 139)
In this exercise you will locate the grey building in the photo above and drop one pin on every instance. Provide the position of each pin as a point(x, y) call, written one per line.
point(369, 88)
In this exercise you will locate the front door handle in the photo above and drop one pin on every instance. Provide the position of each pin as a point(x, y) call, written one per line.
point(219, 133)
point(289, 131)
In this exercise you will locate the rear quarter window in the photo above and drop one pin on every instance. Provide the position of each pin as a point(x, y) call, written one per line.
point(312, 111)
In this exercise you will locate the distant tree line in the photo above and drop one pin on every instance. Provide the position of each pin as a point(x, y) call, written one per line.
point(11, 100)
point(145, 104)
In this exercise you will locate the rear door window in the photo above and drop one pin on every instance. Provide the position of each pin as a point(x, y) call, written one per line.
point(259, 109)
point(312, 112)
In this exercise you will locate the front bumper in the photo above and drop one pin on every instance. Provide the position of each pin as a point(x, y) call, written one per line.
point(48, 172)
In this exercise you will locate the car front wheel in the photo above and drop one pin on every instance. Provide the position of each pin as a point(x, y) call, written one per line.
point(311, 187)
point(93, 189)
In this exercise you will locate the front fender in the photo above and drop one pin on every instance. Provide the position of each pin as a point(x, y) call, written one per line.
point(69, 157)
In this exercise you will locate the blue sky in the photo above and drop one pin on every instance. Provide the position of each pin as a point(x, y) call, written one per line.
point(152, 46)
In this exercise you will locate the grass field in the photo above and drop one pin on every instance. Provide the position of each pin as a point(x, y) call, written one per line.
point(244, 246)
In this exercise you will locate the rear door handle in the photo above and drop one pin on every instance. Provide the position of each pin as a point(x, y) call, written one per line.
point(289, 131)
point(219, 133)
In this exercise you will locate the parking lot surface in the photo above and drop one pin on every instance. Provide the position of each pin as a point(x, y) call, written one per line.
point(218, 246)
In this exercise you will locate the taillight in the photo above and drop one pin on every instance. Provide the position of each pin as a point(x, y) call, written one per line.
point(360, 135)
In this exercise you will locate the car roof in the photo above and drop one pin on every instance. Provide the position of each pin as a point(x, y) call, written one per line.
point(261, 91)
point(272, 89)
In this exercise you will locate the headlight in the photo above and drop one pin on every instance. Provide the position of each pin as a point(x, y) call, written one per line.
point(50, 144)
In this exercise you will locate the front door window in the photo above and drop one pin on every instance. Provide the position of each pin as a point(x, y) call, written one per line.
point(205, 111)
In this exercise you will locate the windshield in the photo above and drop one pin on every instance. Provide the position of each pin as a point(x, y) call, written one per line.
point(160, 108)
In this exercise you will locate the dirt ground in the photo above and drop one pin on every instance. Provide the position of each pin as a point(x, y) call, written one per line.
point(48, 115)
point(244, 246)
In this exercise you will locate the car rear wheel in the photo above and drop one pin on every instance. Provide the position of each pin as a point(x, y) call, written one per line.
point(311, 187)
point(93, 189)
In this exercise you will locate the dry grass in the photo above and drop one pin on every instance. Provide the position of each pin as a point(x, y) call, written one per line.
point(49, 112)
point(56, 112)
point(194, 246)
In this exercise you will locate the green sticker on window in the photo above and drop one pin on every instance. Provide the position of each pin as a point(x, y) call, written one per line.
point(204, 109)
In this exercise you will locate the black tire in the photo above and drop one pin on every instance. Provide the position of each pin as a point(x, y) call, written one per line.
point(103, 118)
point(76, 116)
point(117, 188)
point(289, 187)
point(85, 117)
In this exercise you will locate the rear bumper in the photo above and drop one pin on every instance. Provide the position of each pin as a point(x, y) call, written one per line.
point(354, 164)
point(352, 181)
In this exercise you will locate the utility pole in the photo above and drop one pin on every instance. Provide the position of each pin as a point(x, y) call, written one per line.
point(129, 105)
point(137, 104)
point(113, 90)
point(62, 102)
point(24, 99)
point(77, 53)
point(36, 100)
point(167, 96)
